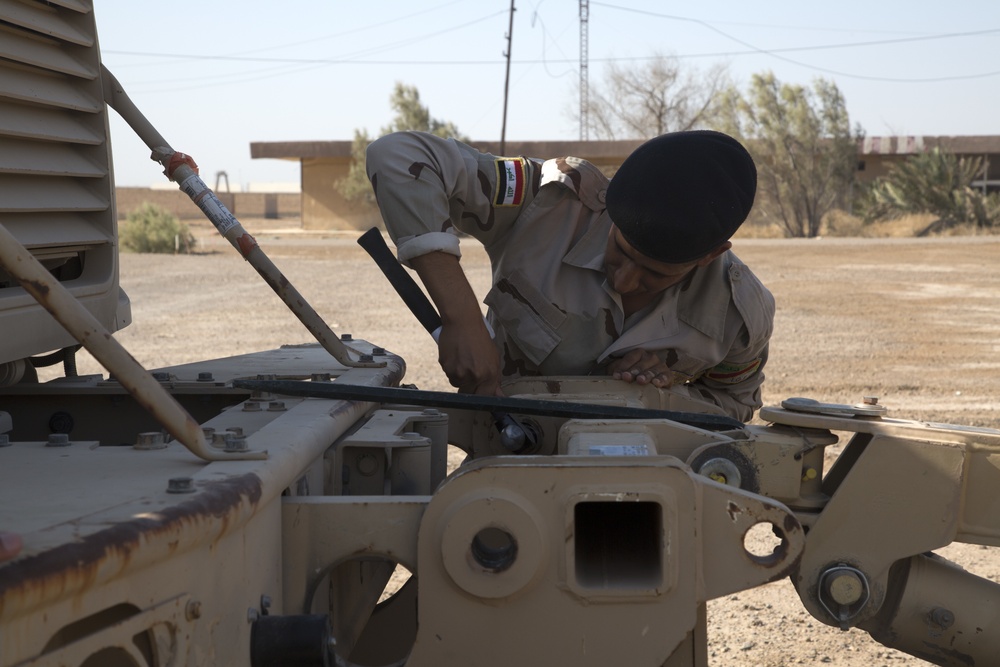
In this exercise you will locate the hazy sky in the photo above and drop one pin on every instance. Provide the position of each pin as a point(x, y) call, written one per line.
point(216, 75)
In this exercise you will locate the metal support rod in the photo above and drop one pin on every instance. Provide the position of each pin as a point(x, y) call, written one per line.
point(506, 82)
point(76, 319)
point(181, 169)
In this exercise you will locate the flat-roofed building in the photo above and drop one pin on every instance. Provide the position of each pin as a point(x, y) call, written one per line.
point(323, 163)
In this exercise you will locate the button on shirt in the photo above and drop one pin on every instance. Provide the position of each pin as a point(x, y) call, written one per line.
point(545, 229)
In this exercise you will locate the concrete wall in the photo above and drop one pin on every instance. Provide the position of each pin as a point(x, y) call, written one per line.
point(242, 204)
point(323, 207)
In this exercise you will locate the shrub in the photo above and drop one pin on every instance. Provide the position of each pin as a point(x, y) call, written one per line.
point(933, 182)
point(151, 228)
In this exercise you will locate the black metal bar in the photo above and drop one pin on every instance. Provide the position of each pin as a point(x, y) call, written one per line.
point(523, 406)
point(402, 282)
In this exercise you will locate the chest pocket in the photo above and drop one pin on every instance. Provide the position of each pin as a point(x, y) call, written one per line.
point(526, 315)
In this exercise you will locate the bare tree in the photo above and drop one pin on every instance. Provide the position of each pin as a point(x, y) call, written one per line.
point(656, 97)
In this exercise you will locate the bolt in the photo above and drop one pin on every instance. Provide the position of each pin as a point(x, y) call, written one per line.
point(161, 376)
point(192, 610)
point(4, 440)
point(431, 412)
point(58, 440)
point(205, 376)
point(235, 430)
point(265, 603)
point(346, 337)
point(845, 587)
point(870, 400)
point(411, 435)
point(236, 443)
point(150, 440)
point(252, 615)
point(366, 358)
point(367, 464)
point(378, 351)
point(941, 617)
point(251, 406)
point(208, 431)
point(180, 485)
point(276, 406)
point(219, 440)
point(722, 470)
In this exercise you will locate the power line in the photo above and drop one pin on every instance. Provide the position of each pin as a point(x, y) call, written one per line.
point(774, 52)
point(352, 59)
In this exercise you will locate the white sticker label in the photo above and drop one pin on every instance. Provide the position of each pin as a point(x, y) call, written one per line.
point(618, 450)
point(206, 200)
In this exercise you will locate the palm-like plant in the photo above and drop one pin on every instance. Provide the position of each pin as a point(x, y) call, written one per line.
point(934, 182)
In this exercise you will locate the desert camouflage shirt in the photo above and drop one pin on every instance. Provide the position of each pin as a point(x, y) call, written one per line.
point(544, 226)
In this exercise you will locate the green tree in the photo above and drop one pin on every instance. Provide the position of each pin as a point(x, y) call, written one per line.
point(411, 114)
point(649, 100)
point(802, 143)
point(932, 182)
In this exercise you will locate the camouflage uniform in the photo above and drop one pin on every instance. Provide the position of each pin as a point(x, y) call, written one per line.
point(544, 227)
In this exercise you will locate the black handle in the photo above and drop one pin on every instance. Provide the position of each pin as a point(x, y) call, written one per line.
point(404, 284)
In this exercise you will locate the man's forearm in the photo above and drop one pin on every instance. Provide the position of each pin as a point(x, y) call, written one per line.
point(465, 348)
point(448, 288)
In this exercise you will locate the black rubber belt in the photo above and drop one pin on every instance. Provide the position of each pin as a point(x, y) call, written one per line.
point(523, 406)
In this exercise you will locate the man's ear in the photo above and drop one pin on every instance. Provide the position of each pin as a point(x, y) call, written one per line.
point(707, 259)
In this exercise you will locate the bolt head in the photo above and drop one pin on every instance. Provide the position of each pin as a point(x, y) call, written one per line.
point(58, 440)
point(192, 610)
point(180, 485)
point(845, 588)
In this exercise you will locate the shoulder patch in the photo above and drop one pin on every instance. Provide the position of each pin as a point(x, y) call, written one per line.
point(512, 179)
point(733, 373)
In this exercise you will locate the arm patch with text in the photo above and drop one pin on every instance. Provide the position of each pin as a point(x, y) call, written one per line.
point(729, 373)
point(512, 178)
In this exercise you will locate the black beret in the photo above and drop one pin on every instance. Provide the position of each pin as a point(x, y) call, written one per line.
point(681, 195)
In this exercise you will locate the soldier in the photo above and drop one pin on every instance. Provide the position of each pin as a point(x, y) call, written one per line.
point(633, 277)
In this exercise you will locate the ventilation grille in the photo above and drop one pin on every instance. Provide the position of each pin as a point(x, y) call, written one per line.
point(56, 181)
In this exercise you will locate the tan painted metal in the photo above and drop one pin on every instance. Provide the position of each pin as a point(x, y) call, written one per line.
point(38, 282)
point(602, 546)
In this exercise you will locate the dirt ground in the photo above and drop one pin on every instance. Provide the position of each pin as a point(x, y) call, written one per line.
point(915, 322)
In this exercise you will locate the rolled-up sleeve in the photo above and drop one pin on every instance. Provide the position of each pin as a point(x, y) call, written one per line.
point(735, 383)
point(428, 187)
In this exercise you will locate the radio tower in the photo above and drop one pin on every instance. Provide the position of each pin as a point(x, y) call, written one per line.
point(584, 93)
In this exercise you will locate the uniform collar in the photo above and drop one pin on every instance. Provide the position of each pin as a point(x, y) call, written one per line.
point(704, 302)
point(588, 252)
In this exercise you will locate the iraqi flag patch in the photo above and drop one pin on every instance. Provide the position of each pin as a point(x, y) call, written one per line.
point(729, 373)
point(511, 180)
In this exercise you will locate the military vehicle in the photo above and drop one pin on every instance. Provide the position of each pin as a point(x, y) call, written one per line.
point(253, 510)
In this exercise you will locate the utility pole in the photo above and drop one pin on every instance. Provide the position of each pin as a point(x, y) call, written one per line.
point(584, 92)
point(506, 82)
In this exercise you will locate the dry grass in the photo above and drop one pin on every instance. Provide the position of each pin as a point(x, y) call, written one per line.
point(843, 224)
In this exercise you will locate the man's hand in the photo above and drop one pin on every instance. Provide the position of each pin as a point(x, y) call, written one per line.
point(466, 352)
point(641, 367)
point(10, 545)
point(469, 358)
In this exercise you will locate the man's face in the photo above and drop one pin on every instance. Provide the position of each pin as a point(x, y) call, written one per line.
point(630, 273)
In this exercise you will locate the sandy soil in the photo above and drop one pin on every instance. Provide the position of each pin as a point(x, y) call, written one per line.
point(913, 321)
